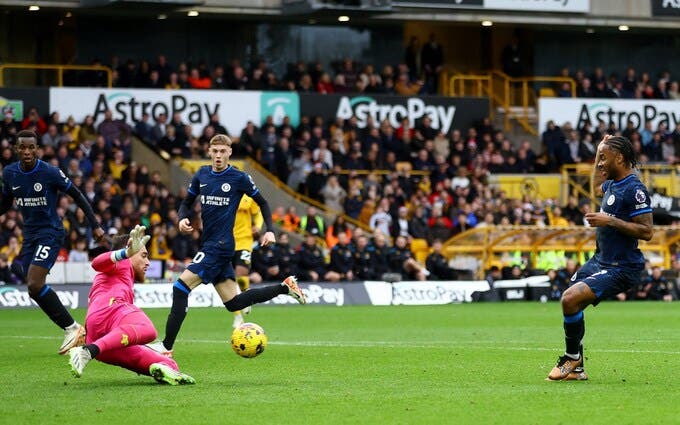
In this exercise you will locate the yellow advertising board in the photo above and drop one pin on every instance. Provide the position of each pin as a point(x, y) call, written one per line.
point(537, 186)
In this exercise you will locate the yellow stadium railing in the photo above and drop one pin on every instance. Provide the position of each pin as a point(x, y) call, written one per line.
point(576, 180)
point(516, 96)
point(503, 245)
point(55, 67)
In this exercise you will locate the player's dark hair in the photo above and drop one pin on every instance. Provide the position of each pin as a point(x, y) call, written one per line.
point(27, 134)
point(625, 147)
point(119, 241)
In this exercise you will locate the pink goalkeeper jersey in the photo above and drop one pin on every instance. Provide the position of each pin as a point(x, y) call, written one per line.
point(113, 282)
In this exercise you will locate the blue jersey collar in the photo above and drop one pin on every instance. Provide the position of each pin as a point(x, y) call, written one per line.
point(221, 172)
point(628, 177)
point(33, 170)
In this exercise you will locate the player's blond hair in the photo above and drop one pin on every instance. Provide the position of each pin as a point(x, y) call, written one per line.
point(220, 139)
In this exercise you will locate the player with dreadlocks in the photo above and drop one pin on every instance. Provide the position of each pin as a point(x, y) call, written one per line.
point(624, 217)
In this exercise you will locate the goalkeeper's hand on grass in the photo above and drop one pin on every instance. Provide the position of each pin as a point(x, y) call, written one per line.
point(138, 239)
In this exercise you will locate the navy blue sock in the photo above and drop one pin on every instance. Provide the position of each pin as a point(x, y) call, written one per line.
point(49, 302)
point(178, 311)
point(574, 330)
point(254, 296)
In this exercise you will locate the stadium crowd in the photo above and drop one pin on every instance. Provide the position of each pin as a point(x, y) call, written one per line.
point(417, 74)
point(632, 85)
point(405, 183)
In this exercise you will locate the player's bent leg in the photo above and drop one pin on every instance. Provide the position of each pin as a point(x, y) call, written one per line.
point(138, 359)
point(180, 306)
point(49, 302)
point(132, 329)
point(232, 302)
point(574, 300)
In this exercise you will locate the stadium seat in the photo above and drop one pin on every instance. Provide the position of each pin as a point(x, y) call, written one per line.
point(546, 92)
point(404, 166)
point(420, 249)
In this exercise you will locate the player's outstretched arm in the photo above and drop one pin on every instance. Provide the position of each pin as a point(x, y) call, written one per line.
point(84, 205)
point(106, 262)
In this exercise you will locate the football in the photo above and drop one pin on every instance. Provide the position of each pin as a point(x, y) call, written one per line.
point(248, 340)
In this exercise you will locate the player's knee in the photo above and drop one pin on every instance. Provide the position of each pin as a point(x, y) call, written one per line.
point(149, 334)
point(35, 288)
point(569, 302)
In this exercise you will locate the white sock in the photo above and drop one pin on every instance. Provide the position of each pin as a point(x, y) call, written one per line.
point(573, 356)
point(74, 326)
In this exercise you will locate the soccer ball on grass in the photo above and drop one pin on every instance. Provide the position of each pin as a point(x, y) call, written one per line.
point(248, 340)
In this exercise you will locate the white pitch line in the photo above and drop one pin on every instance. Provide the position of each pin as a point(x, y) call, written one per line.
point(390, 344)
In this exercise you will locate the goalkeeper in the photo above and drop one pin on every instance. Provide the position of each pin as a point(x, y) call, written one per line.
point(117, 329)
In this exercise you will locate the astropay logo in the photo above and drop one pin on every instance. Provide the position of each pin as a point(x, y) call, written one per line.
point(128, 107)
point(364, 107)
point(15, 297)
point(620, 113)
point(280, 105)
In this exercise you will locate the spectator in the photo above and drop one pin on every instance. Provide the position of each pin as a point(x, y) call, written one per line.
point(52, 137)
point(78, 253)
point(333, 194)
point(313, 223)
point(512, 58)
point(265, 264)
point(363, 260)
point(437, 264)
point(7, 277)
point(33, 118)
point(661, 290)
point(405, 87)
point(198, 81)
point(291, 221)
point(432, 60)
point(400, 226)
point(12, 249)
point(401, 261)
point(342, 260)
point(286, 255)
point(412, 57)
point(325, 86)
point(339, 226)
point(381, 220)
point(311, 264)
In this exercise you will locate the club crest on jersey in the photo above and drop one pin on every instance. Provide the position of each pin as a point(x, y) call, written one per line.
point(640, 196)
point(226, 187)
point(37, 187)
point(611, 199)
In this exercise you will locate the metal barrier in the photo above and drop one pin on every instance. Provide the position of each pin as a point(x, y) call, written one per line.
point(659, 178)
point(55, 67)
point(516, 96)
point(505, 245)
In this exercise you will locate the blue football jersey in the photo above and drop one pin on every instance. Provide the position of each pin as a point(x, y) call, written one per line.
point(220, 194)
point(36, 193)
point(622, 199)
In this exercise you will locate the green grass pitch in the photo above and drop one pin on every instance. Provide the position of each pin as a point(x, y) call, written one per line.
point(454, 364)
